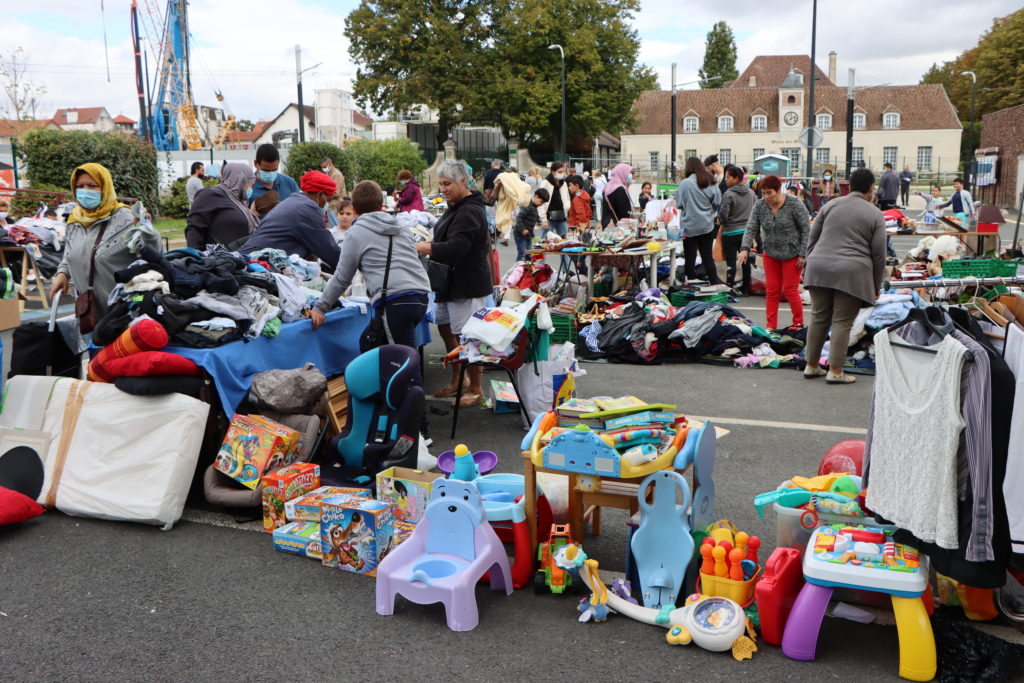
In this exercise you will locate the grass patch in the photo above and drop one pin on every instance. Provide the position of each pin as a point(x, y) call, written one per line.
point(171, 228)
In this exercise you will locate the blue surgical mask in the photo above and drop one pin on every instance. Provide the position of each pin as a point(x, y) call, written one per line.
point(267, 176)
point(89, 199)
point(403, 183)
point(248, 192)
point(629, 178)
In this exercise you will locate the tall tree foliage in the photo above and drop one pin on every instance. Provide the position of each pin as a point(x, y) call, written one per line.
point(24, 97)
point(418, 53)
point(998, 62)
point(719, 57)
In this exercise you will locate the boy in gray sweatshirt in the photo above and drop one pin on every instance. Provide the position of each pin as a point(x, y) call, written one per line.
point(366, 249)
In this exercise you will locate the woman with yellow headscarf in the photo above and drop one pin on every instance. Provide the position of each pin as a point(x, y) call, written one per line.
point(95, 245)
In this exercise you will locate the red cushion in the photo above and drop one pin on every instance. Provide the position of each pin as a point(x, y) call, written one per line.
point(145, 335)
point(17, 507)
point(150, 363)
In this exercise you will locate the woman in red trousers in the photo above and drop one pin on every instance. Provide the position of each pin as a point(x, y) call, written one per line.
point(785, 225)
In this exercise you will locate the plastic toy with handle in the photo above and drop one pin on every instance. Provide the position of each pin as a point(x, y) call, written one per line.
point(662, 545)
point(703, 509)
point(461, 464)
point(777, 590)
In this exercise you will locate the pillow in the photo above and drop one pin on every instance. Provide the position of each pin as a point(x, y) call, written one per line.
point(17, 507)
point(145, 335)
point(148, 364)
point(153, 386)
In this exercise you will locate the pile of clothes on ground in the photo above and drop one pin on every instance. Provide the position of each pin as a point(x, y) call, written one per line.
point(206, 299)
point(42, 237)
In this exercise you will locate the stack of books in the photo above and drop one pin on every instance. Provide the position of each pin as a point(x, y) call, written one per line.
point(611, 415)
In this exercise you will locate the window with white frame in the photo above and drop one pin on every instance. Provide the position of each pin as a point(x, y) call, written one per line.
point(725, 157)
point(690, 124)
point(794, 157)
point(654, 160)
point(758, 122)
point(724, 124)
point(891, 120)
point(825, 121)
point(859, 121)
point(857, 156)
point(822, 155)
point(689, 153)
point(758, 152)
point(889, 155)
point(924, 158)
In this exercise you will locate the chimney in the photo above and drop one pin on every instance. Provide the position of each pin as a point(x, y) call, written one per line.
point(832, 66)
point(753, 81)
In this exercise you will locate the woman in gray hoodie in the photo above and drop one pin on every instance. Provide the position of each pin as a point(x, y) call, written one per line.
point(697, 199)
point(366, 249)
point(737, 202)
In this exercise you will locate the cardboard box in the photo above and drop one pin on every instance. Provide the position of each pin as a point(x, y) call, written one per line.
point(299, 538)
point(356, 534)
point(408, 490)
point(504, 396)
point(254, 445)
point(306, 508)
point(10, 314)
point(284, 484)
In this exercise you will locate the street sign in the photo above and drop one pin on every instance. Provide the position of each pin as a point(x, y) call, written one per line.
point(811, 137)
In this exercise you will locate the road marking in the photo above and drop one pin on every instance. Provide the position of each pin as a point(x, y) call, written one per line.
point(782, 425)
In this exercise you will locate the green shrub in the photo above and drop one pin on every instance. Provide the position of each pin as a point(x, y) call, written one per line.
point(174, 204)
point(381, 160)
point(306, 154)
point(51, 156)
point(26, 204)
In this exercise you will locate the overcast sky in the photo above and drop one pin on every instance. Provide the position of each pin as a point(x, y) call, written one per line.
point(246, 49)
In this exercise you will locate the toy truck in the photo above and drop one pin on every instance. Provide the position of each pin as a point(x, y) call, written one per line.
point(550, 575)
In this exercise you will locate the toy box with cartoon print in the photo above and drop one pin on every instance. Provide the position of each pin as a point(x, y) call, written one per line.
point(355, 535)
point(254, 445)
point(306, 508)
point(299, 538)
point(284, 484)
point(407, 490)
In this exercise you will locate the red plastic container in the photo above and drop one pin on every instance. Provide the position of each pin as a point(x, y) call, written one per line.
point(988, 227)
point(775, 592)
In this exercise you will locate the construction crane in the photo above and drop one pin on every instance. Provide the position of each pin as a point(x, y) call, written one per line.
point(169, 120)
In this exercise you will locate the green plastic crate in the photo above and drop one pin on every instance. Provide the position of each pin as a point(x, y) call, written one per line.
point(565, 330)
point(979, 268)
point(680, 299)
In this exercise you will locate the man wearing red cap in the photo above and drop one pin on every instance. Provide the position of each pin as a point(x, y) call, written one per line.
point(296, 225)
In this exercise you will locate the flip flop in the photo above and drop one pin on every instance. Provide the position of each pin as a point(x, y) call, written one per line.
point(812, 373)
point(840, 379)
point(469, 400)
point(446, 392)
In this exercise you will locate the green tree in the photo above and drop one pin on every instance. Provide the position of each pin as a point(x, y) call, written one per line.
point(418, 53)
point(603, 76)
point(244, 125)
point(51, 156)
point(380, 160)
point(174, 203)
point(719, 57)
point(306, 154)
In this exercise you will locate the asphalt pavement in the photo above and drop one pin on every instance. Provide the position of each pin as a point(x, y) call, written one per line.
point(210, 599)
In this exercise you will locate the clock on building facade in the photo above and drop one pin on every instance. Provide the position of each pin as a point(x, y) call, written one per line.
point(790, 118)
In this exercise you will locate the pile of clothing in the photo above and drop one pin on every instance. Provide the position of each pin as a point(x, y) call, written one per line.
point(206, 299)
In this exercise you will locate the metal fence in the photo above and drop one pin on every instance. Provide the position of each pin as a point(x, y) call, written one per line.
point(477, 147)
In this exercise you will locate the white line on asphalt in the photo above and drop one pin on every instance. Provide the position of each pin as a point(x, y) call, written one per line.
point(782, 425)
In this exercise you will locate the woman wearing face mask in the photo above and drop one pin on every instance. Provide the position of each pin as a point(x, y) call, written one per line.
point(5, 213)
point(616, 203)
point(786, 227)
point(298, 224)
point(409, 197)
point(824, 189)
point(556, 212)
point(221, 214)
point(94, 244)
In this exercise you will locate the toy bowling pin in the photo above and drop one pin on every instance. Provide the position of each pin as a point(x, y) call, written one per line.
point(741, 542)
point(735, 564)
point(753, 543)
point(721, 569)
point(727, 545)
point(707, 566)
point(465, 466)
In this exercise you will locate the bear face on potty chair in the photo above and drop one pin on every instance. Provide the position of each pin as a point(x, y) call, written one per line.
point(454, 510)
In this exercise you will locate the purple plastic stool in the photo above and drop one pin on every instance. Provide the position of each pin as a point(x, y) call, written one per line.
point(800, 639)
point(444, 558)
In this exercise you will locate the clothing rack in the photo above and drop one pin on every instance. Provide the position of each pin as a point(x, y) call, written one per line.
point(952, 282)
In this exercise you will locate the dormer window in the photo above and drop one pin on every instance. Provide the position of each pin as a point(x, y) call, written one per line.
point(758, 122)
point(891, 120)
point(824, 121)
point(725, 124)
point(690, 124)
point(859, 121)
point(791, 99)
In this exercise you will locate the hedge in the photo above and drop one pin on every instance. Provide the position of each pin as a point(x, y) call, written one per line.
point(175, 203)
point(306, 154)
point(377, 160)
point(51, 156)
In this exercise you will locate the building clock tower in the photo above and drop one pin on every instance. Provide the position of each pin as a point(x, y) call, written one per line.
point(791, 103)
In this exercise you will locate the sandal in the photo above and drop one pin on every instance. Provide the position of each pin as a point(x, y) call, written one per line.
point(447, 391)
point(840, 379)
point(812, 373)
point(469, 400)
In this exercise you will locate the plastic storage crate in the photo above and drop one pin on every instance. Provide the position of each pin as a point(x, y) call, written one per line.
point(680, 299)
point(565, 330)
point(980, 268)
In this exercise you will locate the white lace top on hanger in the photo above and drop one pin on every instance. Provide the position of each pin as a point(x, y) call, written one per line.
point(916, 430)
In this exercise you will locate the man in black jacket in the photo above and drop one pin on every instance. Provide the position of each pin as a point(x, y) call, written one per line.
point(462, 243)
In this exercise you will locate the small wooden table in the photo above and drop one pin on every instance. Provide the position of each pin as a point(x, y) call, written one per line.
point(28, 267)
point(652, 267)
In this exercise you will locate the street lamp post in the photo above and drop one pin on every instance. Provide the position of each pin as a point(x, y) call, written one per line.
point(970, 131)
point(810, 99)
point(561, 53)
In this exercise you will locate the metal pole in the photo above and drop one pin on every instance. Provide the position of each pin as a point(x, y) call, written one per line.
point(14, 162)
point(563, 105)
point(810, 98)
point(970, 145)
point(849, 123)
point(298, 82)
point(672, 156)
point(1016, 230)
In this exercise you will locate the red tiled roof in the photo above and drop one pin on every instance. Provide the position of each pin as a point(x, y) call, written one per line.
point(771, 70)
point(12, 128)
point(921, 107)
point(85, 115)
point(361, 119)
point(121, 118)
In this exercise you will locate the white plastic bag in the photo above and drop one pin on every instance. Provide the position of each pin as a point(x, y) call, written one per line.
point(498, 327)
point(543, 385)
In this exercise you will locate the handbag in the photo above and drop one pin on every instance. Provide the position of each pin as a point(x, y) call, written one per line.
point(557, 216)
point(375, 335)
point(86, 309)
point(439, 275)
point(299, 391)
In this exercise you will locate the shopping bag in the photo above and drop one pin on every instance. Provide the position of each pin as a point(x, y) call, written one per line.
point(716, 251)
point(498, 327)
point(545, 385)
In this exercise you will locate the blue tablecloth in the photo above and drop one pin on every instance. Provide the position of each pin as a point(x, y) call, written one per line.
point(330, 349)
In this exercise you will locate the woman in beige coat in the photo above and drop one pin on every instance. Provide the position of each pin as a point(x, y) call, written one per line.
point(844, 271)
